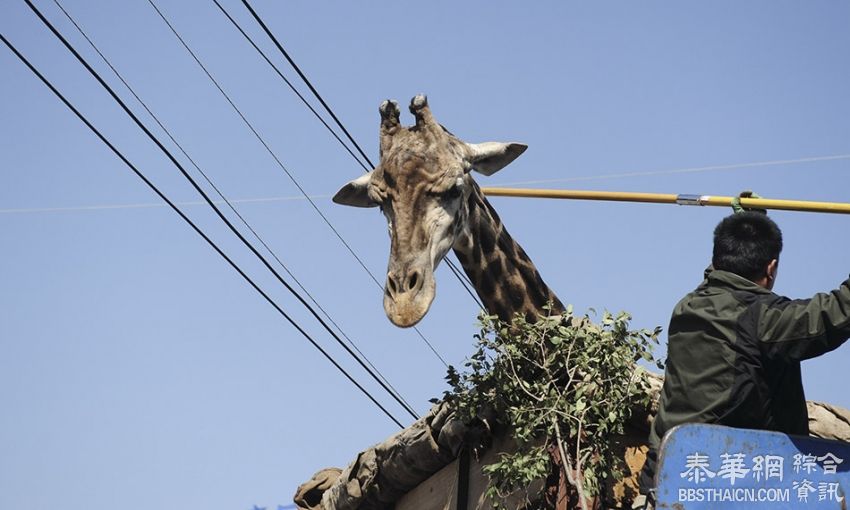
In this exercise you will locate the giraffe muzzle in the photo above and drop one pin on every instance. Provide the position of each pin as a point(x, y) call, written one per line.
point(408, 295)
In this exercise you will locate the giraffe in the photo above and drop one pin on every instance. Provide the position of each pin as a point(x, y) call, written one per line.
point(432, 204)
point(425, 190)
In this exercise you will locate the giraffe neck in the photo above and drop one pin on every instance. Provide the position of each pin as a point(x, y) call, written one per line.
point(504, 277)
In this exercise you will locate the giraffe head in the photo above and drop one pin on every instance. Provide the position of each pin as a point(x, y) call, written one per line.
point(422, 186)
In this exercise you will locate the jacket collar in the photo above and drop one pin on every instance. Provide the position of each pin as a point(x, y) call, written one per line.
point(719, 278)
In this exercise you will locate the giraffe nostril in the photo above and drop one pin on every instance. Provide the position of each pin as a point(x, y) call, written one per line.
point(391, 286)
point(411, 282)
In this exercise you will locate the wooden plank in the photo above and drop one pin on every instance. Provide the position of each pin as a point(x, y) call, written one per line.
point(439, 492)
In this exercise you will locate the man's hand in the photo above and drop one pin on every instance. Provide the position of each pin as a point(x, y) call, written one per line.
point(738, 208)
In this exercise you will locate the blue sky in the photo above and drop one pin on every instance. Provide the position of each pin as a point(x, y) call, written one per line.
point(137, 369)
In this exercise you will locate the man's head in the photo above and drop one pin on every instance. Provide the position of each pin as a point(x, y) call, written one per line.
point(748, 244)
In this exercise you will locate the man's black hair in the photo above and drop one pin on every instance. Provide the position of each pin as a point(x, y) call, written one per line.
point(745, 243)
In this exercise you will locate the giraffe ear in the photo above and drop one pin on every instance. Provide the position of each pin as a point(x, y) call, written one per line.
point(489, 157)
point(355, 193)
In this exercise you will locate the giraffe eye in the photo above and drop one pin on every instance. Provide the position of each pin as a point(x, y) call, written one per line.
point(449, 193)
point(456, 190)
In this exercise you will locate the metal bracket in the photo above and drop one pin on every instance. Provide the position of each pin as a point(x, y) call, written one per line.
point(692, 199)
point(462, 502)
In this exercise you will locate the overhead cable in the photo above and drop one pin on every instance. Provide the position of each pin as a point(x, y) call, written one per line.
point(209, 201)
point(230, 204)
point(462, 278)
point(185, 218)
point(689, 170)
point(292, 87)
point(149, 205)
point(282, 166)
point(306, 81)
point(257, 200)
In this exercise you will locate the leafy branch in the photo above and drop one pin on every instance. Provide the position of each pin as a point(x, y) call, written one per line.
point(562, 384)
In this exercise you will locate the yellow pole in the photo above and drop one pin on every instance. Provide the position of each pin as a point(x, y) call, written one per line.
point(667, 198)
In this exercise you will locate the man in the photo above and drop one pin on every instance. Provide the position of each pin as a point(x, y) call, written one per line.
point(734, 347)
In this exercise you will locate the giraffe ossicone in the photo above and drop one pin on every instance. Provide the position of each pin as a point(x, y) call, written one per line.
point(431, 203)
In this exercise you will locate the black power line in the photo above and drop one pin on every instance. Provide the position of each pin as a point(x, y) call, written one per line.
point(228, 202)
point(338, 139)
point(292, 87)
point(256, 133)
point(464, 281)
point(210, 202)
point(193, 225)
point(282, 166)
point(307, 82)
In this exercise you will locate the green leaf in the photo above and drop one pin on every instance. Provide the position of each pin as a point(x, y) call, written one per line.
point(530, 373)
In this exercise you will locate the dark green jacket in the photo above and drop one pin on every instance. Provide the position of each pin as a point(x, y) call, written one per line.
point(733, 357)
